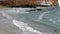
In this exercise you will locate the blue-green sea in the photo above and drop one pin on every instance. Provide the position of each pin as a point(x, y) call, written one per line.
point(30, 21)
point(49, 16)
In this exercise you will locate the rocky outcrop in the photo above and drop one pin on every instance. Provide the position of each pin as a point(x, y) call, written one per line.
point(27, 2)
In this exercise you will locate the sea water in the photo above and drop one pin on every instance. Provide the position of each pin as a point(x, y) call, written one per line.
point(18, 21)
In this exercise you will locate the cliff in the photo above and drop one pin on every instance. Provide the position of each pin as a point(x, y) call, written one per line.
point(27, 2)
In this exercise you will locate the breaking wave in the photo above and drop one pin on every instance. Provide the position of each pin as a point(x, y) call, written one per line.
point(25, 28)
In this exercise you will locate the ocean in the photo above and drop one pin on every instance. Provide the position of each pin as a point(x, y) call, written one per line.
point(29, 21)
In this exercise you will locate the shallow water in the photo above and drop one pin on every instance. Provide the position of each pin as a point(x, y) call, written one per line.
point(18, 21)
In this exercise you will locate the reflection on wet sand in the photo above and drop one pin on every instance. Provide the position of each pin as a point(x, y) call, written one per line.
point(4, 32)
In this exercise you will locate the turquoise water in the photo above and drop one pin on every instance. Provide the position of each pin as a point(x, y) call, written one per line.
point(44, 21)
point(49, 17)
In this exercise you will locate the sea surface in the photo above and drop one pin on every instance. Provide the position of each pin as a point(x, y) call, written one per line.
point(30, 21)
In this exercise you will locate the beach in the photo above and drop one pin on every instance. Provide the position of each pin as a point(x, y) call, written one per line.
point(13, 22)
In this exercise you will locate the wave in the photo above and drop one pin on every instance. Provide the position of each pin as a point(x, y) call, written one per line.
point(25, 28)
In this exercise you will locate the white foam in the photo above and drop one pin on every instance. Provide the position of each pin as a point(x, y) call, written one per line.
point(17, 11)
point(25, 27)
point(50, 19)
point(59, 2)
point(58, 20)
point(6, 15)
point(41, 16)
